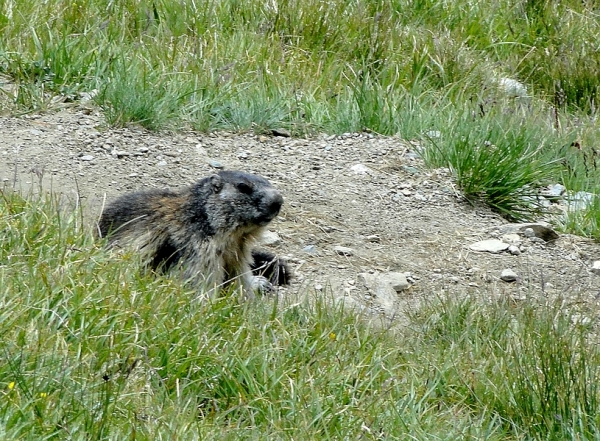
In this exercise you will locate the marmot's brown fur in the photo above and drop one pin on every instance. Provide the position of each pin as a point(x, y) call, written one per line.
point(209, 229)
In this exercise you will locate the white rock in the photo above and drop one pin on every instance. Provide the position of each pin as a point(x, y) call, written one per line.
point(84, 97)
point(512, 88)
point(87, 158)
point(514, 250)
point(511, 238)
point(508, 275)
point(580, 200)
point(397, 281)
point(270, 238)
point(596, 267)
point(343, 251)
point(385, 287)
point(490, 245)
point(360, 169)
point(543, 230)
point(553, 191)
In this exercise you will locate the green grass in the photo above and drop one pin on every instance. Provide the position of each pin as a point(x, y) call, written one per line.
point(93, 349)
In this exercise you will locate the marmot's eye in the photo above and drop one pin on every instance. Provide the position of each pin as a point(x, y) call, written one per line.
point(244, 188)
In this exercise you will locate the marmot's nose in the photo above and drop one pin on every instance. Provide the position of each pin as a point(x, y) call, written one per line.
point(274, 203)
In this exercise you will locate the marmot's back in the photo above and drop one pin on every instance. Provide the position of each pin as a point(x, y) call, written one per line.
point(209, 228)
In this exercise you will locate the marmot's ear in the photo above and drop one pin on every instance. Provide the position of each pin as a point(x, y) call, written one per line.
point(216, 183)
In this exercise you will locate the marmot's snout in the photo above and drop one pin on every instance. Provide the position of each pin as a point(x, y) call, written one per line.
point(272, 203)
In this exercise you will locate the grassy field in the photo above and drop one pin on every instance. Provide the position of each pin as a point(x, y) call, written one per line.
point(93, 350)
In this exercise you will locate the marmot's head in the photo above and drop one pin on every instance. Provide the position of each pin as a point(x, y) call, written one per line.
point(234, 199)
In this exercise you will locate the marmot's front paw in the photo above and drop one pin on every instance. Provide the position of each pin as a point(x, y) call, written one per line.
point(261, 284)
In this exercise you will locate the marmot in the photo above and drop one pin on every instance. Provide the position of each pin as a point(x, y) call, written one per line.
point(209, 229)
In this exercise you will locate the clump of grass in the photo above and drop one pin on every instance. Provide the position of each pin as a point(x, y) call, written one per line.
point(531, 366)
point(499, 159)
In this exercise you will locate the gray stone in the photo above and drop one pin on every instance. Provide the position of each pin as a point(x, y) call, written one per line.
point(490, 246)
point(270, 238)
point(511, 238)
point(310, 249)
point(543, 230)
point(87, 158)
point(512, 88)
point(514, 250)
point(580, 200)
point(553, 191)
point(281, 132)
point(508, 275)
point(215, 164)
point(385, 287)
point(596, 267)
point(343, 251)
point(360, 169)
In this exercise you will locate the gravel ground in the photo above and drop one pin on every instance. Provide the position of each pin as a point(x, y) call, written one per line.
point(357, 207)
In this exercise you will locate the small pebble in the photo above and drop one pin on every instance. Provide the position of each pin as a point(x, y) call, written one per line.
point(215, 164)
point(343, 251)
point(508, 275)
point(514, 250)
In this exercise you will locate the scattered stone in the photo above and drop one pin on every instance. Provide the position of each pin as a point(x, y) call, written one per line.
point(410, 170)
point(397, 281)
point(508, 275)
point(310, 249)
point(553, 191)
point(580, 200)
point(86, 158)
point(528, 232)
point(385, 287)
point(343, 251)
point(543, 230)
point(512, 88)
point(121, 154)
point(511, 238)
point(161, 163)
point(281, 132)
point(84, 97)
point(490, 246)
point(215, 164)
point(373, 238)
point(270, 238)
point(360, 169)
point(514, 250)
point(596, 267)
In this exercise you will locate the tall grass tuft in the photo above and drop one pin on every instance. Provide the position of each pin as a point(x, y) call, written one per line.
point(499, 159)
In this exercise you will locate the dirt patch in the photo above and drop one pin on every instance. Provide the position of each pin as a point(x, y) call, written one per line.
point(367, 193)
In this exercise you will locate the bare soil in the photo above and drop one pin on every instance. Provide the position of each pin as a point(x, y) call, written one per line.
point(392, 212)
